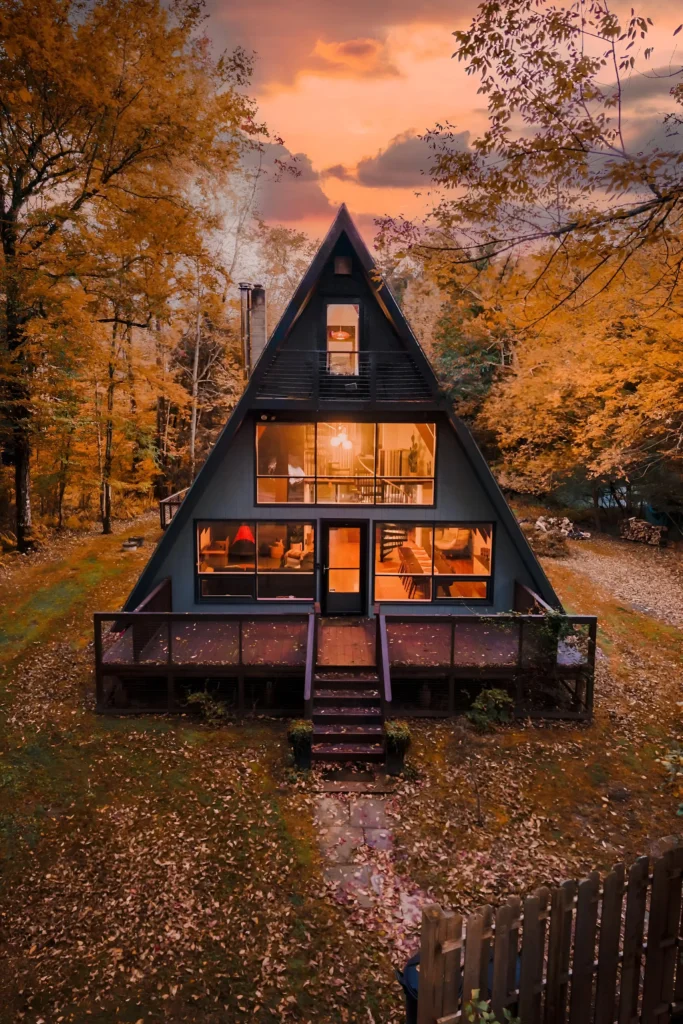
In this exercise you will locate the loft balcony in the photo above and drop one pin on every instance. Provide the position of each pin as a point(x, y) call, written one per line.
point(350, 376)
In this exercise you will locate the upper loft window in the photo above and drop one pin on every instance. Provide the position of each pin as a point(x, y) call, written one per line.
point(345, 463)
point(343, 319)
point(343, 265)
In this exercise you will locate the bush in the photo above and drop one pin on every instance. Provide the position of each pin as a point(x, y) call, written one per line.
point(491, 708)
point(214, 712)
point(479, 1010)
point(300, 735)
point(398, 736)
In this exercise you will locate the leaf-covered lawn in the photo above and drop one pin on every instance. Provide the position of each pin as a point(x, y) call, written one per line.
point(155, 870)
point(501, 813)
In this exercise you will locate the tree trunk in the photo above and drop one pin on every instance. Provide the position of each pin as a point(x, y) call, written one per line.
point(195, 386)
point(596, 509)
point(105, 497)
point(64, 464)
point(17, 392)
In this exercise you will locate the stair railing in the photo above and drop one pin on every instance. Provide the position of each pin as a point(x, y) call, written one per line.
point(311, 658)
point(382, 660)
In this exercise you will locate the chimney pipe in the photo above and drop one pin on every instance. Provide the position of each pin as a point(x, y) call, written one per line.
point(257, 325)
point(245, 318)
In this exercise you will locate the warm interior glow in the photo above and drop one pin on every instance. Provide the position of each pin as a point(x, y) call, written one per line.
point(344, 560)
point(420, 562)
point(343, 320)
point(346, 463)
point(269, 561)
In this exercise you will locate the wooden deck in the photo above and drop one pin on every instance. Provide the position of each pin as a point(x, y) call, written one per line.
point(541, 660)
point(346, 642)
point(209, 643)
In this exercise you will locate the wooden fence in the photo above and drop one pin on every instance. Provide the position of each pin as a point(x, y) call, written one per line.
point(594, 952)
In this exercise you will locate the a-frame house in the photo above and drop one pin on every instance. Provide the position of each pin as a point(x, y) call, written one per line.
point(345, 545)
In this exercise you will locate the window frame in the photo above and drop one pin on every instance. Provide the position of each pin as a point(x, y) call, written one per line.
point(374, 478)
point(254, 525)
point(434, 577)
point(356, 351)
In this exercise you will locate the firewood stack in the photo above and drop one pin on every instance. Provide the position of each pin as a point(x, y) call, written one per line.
point(642, 532)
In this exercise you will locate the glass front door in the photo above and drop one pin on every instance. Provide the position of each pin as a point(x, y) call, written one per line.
point(344, 568)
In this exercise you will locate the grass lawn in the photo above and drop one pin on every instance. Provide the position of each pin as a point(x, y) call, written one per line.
point(156, 870)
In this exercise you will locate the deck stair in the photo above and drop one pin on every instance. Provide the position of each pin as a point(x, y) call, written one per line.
point(348, 723)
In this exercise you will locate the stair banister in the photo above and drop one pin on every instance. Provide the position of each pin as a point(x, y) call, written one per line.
point(311, 658)
point(382, 659)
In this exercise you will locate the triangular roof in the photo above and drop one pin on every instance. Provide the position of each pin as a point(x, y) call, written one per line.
point(342, 225)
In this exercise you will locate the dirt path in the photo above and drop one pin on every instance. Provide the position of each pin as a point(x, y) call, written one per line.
point(650, 579)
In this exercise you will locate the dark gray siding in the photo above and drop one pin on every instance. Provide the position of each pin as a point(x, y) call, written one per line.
point(376, 331)
point(230, 495)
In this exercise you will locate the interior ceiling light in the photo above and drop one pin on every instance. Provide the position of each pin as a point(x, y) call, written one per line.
point(340, 335)
point(340, 439)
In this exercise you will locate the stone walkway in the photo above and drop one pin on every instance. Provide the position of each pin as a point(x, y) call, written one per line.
point(356, 839)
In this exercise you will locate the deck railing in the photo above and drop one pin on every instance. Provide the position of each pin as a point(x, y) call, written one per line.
point(169, 506)
point(352, 376)
point(169, 646)
point(543, 658)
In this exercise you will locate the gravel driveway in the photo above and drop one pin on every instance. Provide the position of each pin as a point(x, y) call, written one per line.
point(649, 579)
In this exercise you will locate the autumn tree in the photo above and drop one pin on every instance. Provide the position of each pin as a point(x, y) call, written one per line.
point(564, 163)
point(97, 97)
point(595, 398)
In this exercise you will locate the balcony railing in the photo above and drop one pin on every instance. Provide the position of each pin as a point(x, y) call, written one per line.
point(169, 506)
point(352, 376)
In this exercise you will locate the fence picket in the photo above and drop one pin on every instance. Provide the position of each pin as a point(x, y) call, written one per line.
point(662, 933)
point(583, 964)
point(633, 940)
point(477, 953)
point(452, 965)
point(608, 950)
point(559, 947)
point(533, 955)
point(501, 959)
point(597, 991)
point(427, 990)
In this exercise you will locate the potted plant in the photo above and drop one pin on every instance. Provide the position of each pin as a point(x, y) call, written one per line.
point(300, 735)
point(397, 738)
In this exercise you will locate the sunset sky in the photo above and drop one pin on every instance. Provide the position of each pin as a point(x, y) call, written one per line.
point(350, 85)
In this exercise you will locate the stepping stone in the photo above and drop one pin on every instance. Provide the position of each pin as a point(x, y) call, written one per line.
point(378, 838)
point(340, 842)
point(330, 811)
point(369, 813)
point(351, 879)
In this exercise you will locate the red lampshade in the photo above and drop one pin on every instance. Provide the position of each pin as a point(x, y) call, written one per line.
point(340, 335)
point(244, 533)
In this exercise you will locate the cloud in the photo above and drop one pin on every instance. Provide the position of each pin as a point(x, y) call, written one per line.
point(304, 35)
point(291, 194)
point(338, 171)
point(359, 58)
point(656, 84)
point(405, 163)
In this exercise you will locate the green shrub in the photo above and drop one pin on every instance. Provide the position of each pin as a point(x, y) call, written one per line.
point(492, 707)
point(213, 711)
point(300, 734)
point(398, 736)
point(480, 1010)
